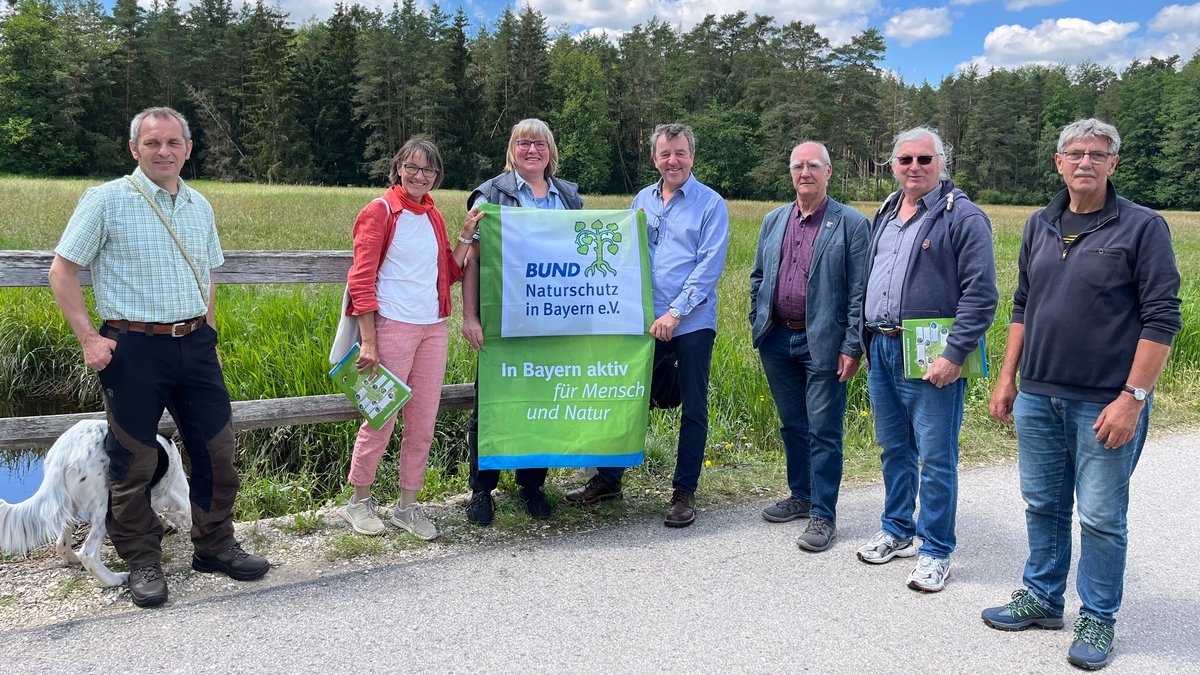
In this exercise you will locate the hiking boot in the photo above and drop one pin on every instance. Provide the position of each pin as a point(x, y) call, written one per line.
point(481, 509)
point(883, 547)
point(818, 535)
point(594, 491)
point(363, 517)
point(788, 509)
point(683, 509)
point(1020, 613)
point(148, 586)
point(233, 563)
point(413, 519)
point(535, 502)
point(1093, 644)
point(930, 574)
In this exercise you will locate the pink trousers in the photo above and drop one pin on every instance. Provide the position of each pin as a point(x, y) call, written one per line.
point(416, 354)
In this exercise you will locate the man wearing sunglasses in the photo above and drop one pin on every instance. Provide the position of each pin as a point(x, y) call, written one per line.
point(1094, 260)
point(806, 292)
point(930, 257)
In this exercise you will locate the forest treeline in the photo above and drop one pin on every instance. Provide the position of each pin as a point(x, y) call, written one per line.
point(330, 101)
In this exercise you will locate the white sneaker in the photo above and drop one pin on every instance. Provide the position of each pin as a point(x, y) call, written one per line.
point(413, 519)
point(930, 574)
point(363, 517)
point(883, 547)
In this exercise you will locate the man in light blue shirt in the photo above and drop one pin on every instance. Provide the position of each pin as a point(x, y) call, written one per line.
point(689, 234)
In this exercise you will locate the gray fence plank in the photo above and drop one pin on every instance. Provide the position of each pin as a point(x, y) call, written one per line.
point(40, 432)
point(29, 268)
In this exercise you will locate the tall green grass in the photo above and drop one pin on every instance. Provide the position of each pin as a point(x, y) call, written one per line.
point(274, 343)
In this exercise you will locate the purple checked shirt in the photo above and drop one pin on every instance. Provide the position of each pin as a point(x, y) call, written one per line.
point(795, 261)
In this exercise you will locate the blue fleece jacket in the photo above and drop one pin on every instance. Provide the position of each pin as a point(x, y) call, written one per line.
point(951, 269)
point(1086, 304)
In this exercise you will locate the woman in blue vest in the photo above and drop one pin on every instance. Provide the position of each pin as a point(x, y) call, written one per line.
point(529, 181)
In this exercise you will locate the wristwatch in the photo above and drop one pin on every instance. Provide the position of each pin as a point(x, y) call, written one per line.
point(675, 314)
point(1138, 393)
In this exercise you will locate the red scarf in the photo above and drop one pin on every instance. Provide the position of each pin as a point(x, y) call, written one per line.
point(365, 268)
point(448, 271)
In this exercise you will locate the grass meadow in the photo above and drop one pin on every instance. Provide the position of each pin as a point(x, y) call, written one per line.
point(274, 342)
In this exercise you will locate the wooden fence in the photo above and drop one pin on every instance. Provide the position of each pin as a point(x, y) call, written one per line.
point(30, 268)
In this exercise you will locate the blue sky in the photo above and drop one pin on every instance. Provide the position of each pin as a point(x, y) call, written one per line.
point(926, 39)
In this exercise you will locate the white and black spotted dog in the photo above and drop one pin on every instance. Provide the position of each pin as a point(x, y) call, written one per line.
point(75, 488)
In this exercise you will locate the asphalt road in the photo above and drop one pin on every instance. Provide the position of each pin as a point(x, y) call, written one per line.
point(730, 593)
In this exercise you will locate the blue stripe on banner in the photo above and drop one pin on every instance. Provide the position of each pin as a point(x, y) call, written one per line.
point(560, 461)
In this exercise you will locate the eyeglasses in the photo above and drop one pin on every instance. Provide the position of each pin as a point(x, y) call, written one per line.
point(656, 229)
point(413, 170)
point(1097, 156)
point(527, 144)
point(923, 160)
point(813, 166)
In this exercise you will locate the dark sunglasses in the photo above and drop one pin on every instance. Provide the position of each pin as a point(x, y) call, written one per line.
point(923, 160)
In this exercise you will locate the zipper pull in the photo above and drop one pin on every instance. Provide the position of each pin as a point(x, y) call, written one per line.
point(1064, 255)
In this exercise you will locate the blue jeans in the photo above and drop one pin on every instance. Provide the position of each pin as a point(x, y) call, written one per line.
point(812, 411)
point(681, 367)
point(1060, 459)
point(916, 422)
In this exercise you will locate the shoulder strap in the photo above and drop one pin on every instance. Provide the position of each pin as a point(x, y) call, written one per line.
point(167, 224)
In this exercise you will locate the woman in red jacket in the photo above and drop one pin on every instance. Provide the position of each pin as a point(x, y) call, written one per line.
point(399, 287)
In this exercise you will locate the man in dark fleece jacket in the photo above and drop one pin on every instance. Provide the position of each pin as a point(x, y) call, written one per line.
point(930, 257)
point(1096, 309)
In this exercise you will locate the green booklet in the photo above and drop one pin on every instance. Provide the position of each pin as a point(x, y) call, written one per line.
point(924, 340)
point(378, 398)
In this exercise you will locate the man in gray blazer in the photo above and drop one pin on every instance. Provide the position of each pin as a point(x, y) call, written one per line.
point(806, 294)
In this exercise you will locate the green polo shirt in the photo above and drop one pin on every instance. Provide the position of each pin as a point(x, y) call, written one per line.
point(138, 273)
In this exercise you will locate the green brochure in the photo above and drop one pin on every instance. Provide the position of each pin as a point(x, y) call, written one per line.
point(378, 398)
point(925, 339)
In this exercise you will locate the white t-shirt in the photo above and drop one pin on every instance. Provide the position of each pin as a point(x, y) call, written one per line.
point(407, 284)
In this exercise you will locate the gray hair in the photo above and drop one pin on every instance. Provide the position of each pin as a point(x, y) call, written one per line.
point(672, 131)
point(135, 127)
point(1090, 128)
point(412, 147)
point(918, 133)
point(819, 144)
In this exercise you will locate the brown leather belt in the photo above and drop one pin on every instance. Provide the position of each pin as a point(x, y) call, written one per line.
point(888, 332)
point(794, 324)
point(178, 329)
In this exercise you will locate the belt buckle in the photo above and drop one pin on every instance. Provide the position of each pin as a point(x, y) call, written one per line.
point(185, 324)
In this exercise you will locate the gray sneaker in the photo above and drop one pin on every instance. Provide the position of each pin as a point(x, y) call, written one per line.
point(786, 510)
point(818, 535)
point(413, 519)
point(363, 517)
point(930, 574)
point(883, 547)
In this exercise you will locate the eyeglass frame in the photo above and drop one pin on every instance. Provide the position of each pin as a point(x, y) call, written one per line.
point(1096, 156)
point(411, 170)
point(656, 229)
point(907, 160)
point(541, 144)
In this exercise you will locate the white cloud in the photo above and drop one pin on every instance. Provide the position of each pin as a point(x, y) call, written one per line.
point(1018, 5)
point(1177, 29)
point(1177, 18)
point(837, 20)
point(613, 35)
point(1054, 41)
point(919, 23)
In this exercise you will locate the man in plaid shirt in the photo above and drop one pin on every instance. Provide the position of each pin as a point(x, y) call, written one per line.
point(150, 241)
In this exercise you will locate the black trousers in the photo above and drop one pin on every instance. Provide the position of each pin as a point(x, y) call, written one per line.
point(147, 374)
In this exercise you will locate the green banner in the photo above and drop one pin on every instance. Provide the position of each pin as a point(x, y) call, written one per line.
point(565, 367)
